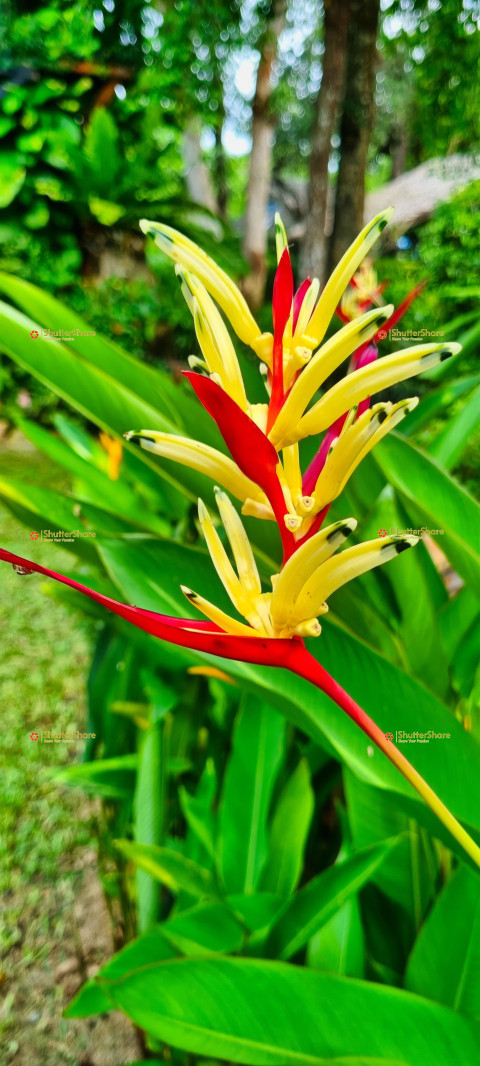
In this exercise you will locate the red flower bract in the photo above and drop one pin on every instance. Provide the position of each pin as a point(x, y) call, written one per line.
point(251, 449)
point(186, 632)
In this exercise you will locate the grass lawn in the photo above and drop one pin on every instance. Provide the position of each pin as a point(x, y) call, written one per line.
point(44, 657)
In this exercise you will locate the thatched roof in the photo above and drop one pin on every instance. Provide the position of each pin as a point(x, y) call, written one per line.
point(415, 194)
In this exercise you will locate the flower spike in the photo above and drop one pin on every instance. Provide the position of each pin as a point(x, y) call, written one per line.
point(272, 625)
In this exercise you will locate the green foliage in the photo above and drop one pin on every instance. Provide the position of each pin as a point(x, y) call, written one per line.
point(431, 68)
point(448, 249)
point(222, 811)
point(197, 996)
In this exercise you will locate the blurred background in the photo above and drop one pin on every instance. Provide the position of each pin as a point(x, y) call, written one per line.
point(210, 116)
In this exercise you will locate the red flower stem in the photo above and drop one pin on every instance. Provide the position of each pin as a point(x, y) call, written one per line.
point(304, 665)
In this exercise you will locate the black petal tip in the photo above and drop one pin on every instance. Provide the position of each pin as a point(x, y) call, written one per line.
point(401, 546)
point(342, 531)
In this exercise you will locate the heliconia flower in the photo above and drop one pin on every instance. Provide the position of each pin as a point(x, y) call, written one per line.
point(364, 291)
point(288, 653)
point(294, 372)
point(264, 473)
point(302, 587)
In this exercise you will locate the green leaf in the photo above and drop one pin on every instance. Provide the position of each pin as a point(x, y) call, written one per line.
point(339, 946)
point(449, 446)
point(410, 580)
point(269, 1013)
point(314, 905)
point(148, 806)
point(438, 499)
point(408, 874)
point(94, 391)
point(205, 927)
point(247, 792)
point(44, 510)
point(256, 912)
point(91, 999)
point(107, 212)
point(112, 778)
point(445, 961)
point(171, 868)
point(12, 177)
point(197, 810)
point(115, 496)
point(288, 833)
point(435, 402)
point(456, 617)
point(149, 384)
point(466, 660)
point(393, 699)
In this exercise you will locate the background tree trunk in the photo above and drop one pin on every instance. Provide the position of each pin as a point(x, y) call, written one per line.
point(356, 125)
point(313, 257)
point(197, 175)
point(255, 236)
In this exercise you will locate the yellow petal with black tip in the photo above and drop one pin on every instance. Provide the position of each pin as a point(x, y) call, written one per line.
point(336, 571)
point(189, 256)
point(302, 564)
point(240, 545)
point(201, 457)
point(210, 322)
point(228, 624)
point(220, 559)
point(306, 309)
point(354, 444)
point(281, 241)
point(321, 365)
point(343, 273)
point(366, 382)
point(207, 344)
